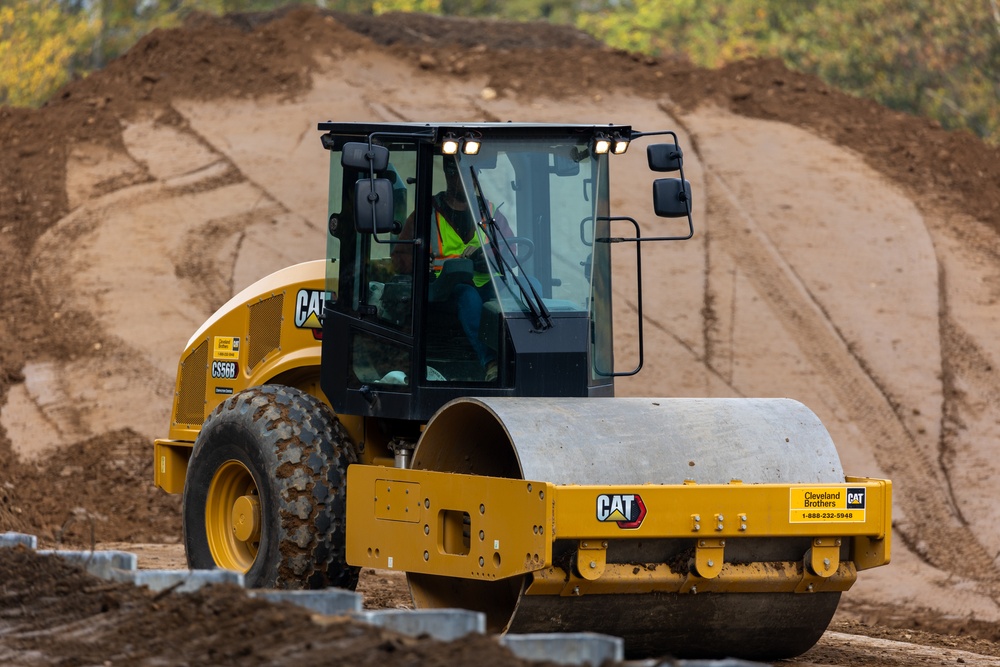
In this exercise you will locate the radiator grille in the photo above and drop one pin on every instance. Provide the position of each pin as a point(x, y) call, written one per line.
point(191, 401)
point(265, 329)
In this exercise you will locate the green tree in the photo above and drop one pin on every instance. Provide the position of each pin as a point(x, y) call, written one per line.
point(37, 44)
point(931, 57)
point(422, 6)
point(935, 57)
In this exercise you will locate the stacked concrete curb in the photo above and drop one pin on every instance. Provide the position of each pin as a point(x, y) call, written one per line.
point(568, 648)
point(328, 602)
point(581, 648)
point(181, 581)
point(103, 564)
point(442, 624)
point(18, 539)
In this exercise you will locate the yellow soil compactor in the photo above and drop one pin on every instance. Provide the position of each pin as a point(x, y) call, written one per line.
point(436, 397)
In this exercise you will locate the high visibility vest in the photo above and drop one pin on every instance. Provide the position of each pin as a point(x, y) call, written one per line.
point(447, 244)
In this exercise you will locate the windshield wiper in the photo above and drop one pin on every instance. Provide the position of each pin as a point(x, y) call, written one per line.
point(539, 312)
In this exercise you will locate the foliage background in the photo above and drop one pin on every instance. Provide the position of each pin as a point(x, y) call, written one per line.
point(938, 58)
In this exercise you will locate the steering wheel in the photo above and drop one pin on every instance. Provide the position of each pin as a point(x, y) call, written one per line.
point(519, 242)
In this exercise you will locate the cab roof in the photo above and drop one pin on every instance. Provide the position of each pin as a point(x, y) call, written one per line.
point(437, 131)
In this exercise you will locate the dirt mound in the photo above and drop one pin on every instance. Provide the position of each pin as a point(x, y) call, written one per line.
point(953, 169)
point(53, 609)
point(99, 490)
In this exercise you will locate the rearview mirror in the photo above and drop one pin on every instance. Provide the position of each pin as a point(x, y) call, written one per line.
point(363, 157)
point(671, 197)
point(664, 157)
point(565, 166)
point(373, 205)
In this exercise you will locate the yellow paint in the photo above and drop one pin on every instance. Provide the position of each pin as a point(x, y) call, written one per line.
point(233, 535)
point(467, 525)
point(170, 464)
point(528, 516)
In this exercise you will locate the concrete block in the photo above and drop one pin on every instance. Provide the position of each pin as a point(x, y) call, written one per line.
point(98, 563)
point(330, 601)
point(719, 662)
point(11, 539)
point(723, 662)
point(442, 624)
point(181, 581)
point(566, 648)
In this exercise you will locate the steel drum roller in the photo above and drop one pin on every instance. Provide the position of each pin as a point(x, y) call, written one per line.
point(631, 441)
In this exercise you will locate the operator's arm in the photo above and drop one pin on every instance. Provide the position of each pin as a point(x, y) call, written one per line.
point(504, 226)
point(402, 253)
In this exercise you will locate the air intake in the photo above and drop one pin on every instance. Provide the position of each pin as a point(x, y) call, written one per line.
point(265, 329)
point(191, 401)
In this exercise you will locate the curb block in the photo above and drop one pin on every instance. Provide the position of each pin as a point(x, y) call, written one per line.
point(12, 539)
point(181, 581)
point(329, 602)
point(719, 662)
point(566, 648)
point(441, 624)
point(98, 563)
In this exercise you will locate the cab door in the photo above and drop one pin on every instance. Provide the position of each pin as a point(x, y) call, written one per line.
point(368, 341)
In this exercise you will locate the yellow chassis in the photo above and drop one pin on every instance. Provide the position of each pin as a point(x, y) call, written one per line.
point(488, 528)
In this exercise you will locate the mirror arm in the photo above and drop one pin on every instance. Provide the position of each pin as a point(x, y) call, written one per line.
point(639, 238)
point(413, 242)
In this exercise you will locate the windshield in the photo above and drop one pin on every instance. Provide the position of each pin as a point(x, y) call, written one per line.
point(543, 196)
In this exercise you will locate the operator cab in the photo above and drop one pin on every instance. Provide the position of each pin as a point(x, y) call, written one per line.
point(471, 260)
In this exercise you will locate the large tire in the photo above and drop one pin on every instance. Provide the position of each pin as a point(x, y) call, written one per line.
point(265, 491)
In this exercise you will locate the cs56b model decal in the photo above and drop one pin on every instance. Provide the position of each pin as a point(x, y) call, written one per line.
point(225, 370)
point(625, 509)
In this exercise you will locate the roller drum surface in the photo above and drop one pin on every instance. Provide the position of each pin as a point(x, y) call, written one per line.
point(631, 441)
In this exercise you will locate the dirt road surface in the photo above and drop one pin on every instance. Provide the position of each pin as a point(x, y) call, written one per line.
point(845, 255)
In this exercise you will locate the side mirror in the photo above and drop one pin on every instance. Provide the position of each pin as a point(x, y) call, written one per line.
point(361, 156)
point(373, 205)
point(671, 197)
point(664, 157)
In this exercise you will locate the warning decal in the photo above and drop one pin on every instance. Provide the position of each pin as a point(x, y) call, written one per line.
point(822, 504)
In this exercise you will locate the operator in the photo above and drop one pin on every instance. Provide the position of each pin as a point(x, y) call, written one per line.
point(453, 236)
